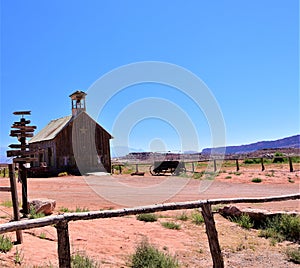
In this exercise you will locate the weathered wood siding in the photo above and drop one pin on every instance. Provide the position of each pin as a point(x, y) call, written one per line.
point(81, 146)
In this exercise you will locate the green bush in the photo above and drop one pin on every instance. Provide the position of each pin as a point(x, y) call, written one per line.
point(79, 260)
point(293, 254)
point(284, 227)
point(197, 175)
point(78, 209)
point(7, 204)
point(171, 225)
point(33, 214)
point(147, 217)
point(256, 180)
point(183, 216)
point(5, 244)
point(244, 221)
point(147, 256)
point(197, 218)
point(252, 161)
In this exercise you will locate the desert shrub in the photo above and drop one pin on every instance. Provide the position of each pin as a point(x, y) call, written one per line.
point(248, 161)
point(244, 221)
point(79, 260)
point(283, 227)
point(18, 258)
point(256, 180)
point(293, 254)
point(295, 159)
point(252, 161)
point(64, 209)
point(147, 217)
point(171, 225)
point(228, 177)
point(7, 203)
point(84, 209)
point(147, 255)
point(183, 216)
point(42, 236)
point(197, 218)
point(197, 175)
point(5, 244)
point(33, 214)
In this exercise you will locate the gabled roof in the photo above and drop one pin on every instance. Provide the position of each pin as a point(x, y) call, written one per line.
point(50, 131)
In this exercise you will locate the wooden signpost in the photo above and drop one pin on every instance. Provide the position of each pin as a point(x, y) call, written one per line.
point(21, 130)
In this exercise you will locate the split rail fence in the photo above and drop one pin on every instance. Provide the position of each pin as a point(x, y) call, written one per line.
point(119, 166)
point(61, 222)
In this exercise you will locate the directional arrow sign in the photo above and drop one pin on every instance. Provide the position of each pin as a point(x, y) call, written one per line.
point(24, 159)
point(28, 135)
point(15, 146)
point(22, 123)
point(22, 112)
point(12, 153)
point(26, 128)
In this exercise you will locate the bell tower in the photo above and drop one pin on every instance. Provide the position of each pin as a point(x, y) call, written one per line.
point(78, 102)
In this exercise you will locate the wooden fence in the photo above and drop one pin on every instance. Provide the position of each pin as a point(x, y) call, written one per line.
point(119, 166)
point(61, 222)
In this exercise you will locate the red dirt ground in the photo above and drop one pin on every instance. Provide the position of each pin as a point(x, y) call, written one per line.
point(111, 241)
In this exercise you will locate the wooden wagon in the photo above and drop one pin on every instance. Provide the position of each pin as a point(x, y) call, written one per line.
point(173, 167)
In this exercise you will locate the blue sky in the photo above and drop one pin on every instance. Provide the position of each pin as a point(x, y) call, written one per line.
point(246, 52)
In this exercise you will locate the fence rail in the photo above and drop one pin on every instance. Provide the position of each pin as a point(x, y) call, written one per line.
point(61, 221)
point(119, 165)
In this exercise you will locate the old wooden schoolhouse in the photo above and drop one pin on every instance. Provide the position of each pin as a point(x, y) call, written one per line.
point(76, 144)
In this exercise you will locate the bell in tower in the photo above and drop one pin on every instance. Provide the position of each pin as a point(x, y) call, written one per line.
point(78, 102)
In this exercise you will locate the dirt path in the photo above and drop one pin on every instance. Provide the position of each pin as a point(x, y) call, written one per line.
point(111, 241)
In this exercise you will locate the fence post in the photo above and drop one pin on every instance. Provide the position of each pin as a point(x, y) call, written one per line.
point(215, 165)
point(291, 164)
point(193, 167)
point(262, 164)
point(23, 176)
point(136, 168)
point(120, 169)
point(14, 198)
point(212, 235)
point(4, 171)
point(63, 244)
point(237, 165)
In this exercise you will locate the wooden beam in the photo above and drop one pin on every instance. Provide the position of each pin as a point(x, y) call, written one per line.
point(21, 131)
point(212, 235)
point(24, 128)
point(237, 164)
point(27, 135)
point(24, 159)
point(14, 198)
point(12, 153)
point(23, 177)
point(291, 164)
point(262, 164)
point(4, 189)
point(22, 113)
point(26, 122)
point(41, 222)
point(16, 146)
point(63, 244)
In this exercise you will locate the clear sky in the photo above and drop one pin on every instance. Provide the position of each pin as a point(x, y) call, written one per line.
point(246, 52)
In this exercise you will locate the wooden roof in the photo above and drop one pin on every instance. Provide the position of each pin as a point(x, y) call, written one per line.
point(53, 128)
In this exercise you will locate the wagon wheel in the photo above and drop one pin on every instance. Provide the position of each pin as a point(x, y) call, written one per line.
point(152, 172)
point(174, 171)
